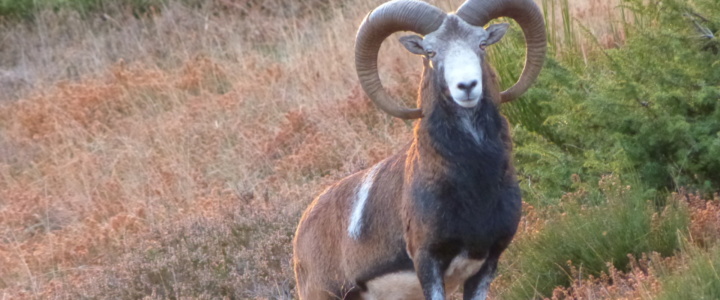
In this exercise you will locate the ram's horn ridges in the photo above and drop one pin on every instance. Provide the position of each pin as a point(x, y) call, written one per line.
point(528, 15)
point(394, 16)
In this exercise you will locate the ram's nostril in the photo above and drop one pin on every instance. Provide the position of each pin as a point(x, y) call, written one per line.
point(467, 86)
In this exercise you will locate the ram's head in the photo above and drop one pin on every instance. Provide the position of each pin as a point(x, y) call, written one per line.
point(453, 47)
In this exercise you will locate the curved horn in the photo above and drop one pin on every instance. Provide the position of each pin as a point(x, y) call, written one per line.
point(528, 15)
point(398, 15)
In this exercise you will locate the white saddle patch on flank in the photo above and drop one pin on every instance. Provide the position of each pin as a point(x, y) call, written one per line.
point(355, 226)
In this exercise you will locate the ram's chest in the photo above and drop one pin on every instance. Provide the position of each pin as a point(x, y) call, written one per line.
point(405, 285)
point(477, 219)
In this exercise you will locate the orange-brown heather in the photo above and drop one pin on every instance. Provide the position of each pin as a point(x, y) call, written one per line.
point(207, 120)
point(127, 144)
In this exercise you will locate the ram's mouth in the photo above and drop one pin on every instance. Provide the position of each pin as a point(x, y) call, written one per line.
point(467, 102)
point(468, 99)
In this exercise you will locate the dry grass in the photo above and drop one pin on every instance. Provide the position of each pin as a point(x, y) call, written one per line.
point(64, 46)
point(133, 148)
point(197, 114)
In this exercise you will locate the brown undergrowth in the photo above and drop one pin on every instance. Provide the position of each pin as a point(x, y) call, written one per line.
point(640, 282)
point(705, 218)
point(140, 156)
point(96, 162)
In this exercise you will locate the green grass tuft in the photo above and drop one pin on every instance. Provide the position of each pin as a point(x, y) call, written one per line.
point(700, 279)
point(589, 236)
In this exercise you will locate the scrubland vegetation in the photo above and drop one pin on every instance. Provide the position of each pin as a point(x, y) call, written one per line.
point(166, 149)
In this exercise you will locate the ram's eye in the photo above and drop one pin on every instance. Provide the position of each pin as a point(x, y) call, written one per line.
point(483, 45)
point(430, 54)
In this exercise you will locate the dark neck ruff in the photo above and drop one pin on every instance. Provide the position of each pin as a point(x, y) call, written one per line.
point(466, 142)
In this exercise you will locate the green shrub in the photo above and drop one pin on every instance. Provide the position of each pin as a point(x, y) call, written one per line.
point(624, 222)
point(700, 279)
point(15, 8)
point(650, 107)
point(663, 104)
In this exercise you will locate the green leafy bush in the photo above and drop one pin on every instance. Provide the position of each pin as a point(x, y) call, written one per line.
point(623, 222)
point(663, 103)
point(647, 112)
point(650, 107)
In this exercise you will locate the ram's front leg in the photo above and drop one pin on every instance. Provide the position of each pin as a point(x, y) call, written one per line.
point(429, 271)
point(476, 287)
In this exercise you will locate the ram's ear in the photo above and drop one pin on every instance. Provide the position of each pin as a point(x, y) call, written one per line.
point(496, 32)
point(413, 43)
